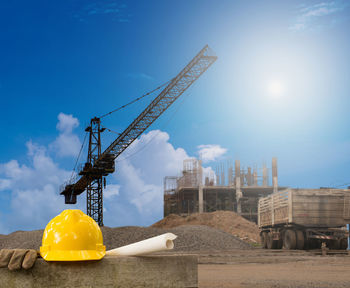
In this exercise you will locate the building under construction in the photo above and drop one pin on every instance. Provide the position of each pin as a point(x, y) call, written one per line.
point(232, 189)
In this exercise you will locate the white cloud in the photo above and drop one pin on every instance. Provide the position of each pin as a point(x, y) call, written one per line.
point(67, 143)
point(133, 196)
point(144, 195)
point(210, 152)
point(321, 9)
point(34, 208)
point(310, 16)
point(140, 172)
point(111, 190)
point(33, 188)
point(5, 184)
point(66, 123)
point(42, 170)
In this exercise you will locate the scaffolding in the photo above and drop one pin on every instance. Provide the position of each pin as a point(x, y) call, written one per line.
point(228, 188)
point(192, 173)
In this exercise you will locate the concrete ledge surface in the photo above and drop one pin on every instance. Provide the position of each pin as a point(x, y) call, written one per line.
point(146, 271)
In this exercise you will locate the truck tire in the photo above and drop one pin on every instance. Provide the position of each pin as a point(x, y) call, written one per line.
point(289, 240)
point(263, 237)
point(344, 243)
point(300, 239)
point(317, 244)
point(335, 244)
point(308, 244)
point(313, 244)
point(279, 243)
point(271, 244)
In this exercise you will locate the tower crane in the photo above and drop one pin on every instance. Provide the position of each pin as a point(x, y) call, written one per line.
point(99, 164)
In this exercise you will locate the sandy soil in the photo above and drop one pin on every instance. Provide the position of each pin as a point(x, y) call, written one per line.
point(261, 269)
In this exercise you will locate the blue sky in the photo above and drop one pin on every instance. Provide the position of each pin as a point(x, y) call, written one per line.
point(280, 87)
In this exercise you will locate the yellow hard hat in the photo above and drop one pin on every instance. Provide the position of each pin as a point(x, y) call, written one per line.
point(72, 236)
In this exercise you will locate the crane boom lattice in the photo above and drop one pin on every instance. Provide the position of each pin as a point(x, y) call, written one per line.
point(104, 163)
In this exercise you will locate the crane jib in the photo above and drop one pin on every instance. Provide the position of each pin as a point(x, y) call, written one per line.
point(194, 69)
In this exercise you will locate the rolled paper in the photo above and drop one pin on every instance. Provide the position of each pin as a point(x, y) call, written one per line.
point(151, 245)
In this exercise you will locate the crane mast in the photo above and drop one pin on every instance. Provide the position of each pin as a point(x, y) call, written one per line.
point(100, 164)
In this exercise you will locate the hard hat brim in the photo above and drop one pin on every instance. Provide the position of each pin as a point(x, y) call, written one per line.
point(73, 255)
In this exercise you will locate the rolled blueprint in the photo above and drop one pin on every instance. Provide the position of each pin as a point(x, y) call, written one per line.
point(154, 244)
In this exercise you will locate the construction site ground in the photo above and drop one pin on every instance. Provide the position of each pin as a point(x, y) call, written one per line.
point(228, 252)
point(260, 268)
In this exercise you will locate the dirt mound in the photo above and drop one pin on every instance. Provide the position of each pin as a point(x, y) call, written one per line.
point(190, 238)
point(227, 221)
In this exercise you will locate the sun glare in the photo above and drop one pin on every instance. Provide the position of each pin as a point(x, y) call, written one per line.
point(275, 89)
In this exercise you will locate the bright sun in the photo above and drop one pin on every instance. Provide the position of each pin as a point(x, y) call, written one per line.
point(275, 89)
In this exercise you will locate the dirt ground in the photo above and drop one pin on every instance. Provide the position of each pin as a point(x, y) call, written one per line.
point(260, 268)
point(225, 259)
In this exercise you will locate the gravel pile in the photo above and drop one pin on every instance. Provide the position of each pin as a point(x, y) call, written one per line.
point(190, 238)
point(22, 239)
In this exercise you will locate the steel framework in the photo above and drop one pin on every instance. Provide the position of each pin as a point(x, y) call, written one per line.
point(102, 166)
point(94, 190)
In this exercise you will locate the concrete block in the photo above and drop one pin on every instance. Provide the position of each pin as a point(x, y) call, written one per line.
point(146, 271)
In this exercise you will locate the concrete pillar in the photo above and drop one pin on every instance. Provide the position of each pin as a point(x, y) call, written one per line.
point(200, 173)
point(238, 186)
point(274, 175)
point(200, 199)
point(255, 177)
point(222, 175)
point(249, 176)
point(265, 176)
point(348, 226)
point(230, 176)
point(217, 171)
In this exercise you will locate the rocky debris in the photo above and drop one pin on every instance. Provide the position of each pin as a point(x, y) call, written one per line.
point(227, 221)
